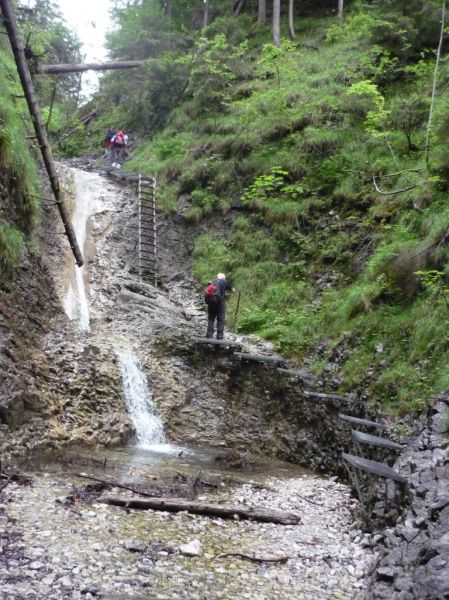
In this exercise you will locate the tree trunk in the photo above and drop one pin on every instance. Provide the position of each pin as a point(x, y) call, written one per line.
point(33, 107)
point(276, 23)
point(224, 511)
point(262, 14)
point(205, 14)
point(434, 85)
point(63, 69)
point(238, 7)
point(291, 25)
point(168, 8)
point(340, 10)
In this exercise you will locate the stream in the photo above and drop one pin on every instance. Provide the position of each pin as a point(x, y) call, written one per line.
point(118, 380)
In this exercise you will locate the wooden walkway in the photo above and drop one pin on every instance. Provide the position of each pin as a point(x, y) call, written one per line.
point(146, 188)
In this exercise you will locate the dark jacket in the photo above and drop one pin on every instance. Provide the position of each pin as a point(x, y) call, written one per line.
point(224, 285)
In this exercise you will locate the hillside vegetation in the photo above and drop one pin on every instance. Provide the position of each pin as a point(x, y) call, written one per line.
point(45, 35)
point(318, 159)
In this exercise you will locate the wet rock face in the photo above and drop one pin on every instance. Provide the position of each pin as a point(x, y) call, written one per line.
point(73, 387)
point(414, 559)
point(251, 407)
point(28, 311)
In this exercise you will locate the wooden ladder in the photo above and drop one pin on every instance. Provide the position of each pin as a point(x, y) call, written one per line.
point(147, 229)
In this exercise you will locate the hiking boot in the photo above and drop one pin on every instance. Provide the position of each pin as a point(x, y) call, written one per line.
point(219, 337)
point(208, 335)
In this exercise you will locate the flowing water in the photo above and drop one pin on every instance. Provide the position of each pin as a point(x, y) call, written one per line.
point(139, 402)
point(88, 190)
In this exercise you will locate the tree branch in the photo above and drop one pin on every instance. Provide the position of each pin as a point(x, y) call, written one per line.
point(411, 187)
point(280, 559)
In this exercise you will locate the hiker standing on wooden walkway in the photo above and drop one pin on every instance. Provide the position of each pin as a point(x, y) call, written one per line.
point(214, 297)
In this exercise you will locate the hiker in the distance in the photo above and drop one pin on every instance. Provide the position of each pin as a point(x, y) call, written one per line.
point(119, 143)
point(108, 140)
point(214, 296)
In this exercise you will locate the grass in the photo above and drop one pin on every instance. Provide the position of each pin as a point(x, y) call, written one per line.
point(18, 172)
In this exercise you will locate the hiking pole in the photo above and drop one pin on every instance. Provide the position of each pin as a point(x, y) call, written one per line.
point(237, 309)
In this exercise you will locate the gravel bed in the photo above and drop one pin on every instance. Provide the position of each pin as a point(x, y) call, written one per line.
point(54, 552)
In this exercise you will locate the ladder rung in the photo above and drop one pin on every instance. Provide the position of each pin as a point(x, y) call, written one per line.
point(147, 243)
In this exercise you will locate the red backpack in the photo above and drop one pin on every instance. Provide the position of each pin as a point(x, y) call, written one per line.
point(119, 139)
point(212, 294)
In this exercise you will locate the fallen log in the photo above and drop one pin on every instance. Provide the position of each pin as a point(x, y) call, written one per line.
point(63, 69)
point(257, 559)
point(223, 511)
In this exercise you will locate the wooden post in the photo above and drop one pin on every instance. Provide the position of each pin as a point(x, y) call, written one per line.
point(33, 107)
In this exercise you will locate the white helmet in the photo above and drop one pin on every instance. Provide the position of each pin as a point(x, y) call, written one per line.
point(221, 276)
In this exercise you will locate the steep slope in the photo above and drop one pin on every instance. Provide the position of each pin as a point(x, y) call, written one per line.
point(306, 166)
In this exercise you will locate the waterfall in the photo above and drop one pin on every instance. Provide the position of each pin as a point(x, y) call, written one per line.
point(88, 189)
point(139, 401)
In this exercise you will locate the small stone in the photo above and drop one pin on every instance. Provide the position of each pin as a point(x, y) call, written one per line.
point(386, 573)
point(193, 548)
point(36, 565)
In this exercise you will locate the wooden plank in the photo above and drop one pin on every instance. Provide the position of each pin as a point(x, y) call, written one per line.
point(214, 342)
point(374, 467)
point(258, 358)
point(359, 421)
point(374, 440)
point(224, 511)
point(323, 396)
point(298, 374)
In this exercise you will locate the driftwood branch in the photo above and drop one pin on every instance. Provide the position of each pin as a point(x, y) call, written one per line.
point(257, 559)
point(64, 68)
point(114, 484)
point(223, 511)
point(33, 107)
point(393, 193)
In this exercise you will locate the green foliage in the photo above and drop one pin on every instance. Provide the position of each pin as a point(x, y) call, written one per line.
point(375, 118)
point(18, 172)
point(289, 142)
point(11, 248)
point(49, 40)
point(213, 66)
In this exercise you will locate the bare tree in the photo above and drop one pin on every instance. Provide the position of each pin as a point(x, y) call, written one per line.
point(276, 23)
point(341, 4)
point(262, 15)
point(205, 14)
point(434, 85)
point(238, 5)
point(291, 25)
